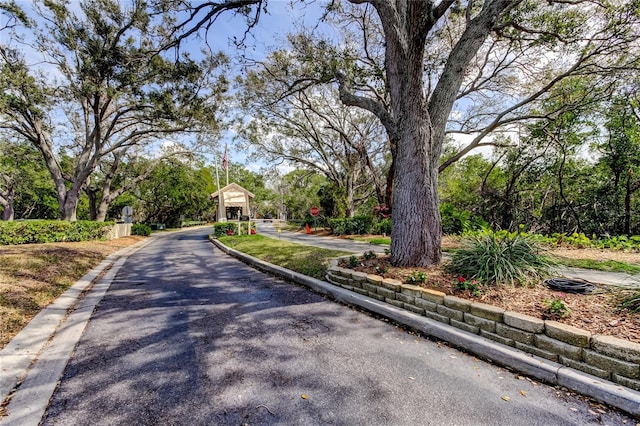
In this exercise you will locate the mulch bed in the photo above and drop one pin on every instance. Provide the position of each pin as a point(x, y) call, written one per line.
point(597, 313)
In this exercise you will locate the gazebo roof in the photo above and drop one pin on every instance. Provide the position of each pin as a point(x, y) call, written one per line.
point(232, 194)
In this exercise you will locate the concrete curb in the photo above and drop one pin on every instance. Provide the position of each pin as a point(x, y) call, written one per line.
point(550, 372)
point(34, 360)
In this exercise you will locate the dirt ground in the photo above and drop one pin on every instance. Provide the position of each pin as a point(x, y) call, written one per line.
point(33, 275)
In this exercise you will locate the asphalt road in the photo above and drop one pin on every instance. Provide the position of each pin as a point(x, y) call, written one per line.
point(189, 336)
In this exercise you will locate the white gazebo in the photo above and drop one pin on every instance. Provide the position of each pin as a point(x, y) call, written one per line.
point(234, 202)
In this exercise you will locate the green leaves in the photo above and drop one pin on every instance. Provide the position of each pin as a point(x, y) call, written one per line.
point(509, 259)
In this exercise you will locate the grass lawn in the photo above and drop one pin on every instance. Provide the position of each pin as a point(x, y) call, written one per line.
point(600, 265)
point(307, 260)
point(378, 240)
point(33, 275)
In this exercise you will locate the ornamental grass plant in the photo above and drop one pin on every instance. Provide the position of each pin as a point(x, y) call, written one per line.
point(507, 259)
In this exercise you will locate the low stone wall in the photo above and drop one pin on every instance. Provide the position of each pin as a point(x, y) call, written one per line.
point(119, 230)
point(606, 357)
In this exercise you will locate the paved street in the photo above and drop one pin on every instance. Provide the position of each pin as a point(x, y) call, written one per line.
point(188, 335)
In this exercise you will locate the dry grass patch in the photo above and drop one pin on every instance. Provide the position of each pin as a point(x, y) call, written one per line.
point(33, 275)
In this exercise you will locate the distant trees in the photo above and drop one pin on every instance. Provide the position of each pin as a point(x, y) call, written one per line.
point(173, 191)
point(113, 87)
point(310, 129)
point(577, 172)
point(25, 185)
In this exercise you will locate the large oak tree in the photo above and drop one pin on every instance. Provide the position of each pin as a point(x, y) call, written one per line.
point(111, 89)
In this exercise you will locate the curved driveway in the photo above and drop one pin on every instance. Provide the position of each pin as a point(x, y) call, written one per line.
point(188, 335)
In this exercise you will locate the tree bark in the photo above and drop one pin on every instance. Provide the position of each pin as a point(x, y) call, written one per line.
point(92, 194)
point(627, 203)
point(417, 122)
point(69, 206)
point(6, 201)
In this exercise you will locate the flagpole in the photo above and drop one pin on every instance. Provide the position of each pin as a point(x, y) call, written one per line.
point(226, 163)
point(219, 193)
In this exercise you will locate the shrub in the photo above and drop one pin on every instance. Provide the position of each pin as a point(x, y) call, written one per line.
point(382, 268)
point(357, 225)
point(456, 222)
point(509, 259)
point(370, 254)
point(473, 286)
point(557, 307)
point(140, 229)
point(382, 227)
point(231, 228)
point(51, 231)
point(632, 303)
point(417, 277)
point(353, 261)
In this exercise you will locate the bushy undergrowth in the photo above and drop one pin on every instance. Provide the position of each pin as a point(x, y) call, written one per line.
point(51, 231)
point(231, 228)
point(456, 222)
point(493, 258)
point(140, 229)
point(357, 225)
point(575, 240)
point(382, 227)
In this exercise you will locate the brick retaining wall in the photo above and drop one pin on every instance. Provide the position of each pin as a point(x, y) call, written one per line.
point(606, 357)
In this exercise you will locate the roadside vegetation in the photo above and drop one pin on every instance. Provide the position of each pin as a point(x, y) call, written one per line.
point(307, 260)
point(33, 275)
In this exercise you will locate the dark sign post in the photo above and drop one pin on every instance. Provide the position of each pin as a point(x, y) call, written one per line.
point(314, 211)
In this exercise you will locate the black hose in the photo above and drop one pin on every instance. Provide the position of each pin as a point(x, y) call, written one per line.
point(570, 285)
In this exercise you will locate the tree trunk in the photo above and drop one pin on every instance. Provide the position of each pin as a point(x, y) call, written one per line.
point(92, 194)
point(416, 228)
point(388, 197)
point(7, 203)
point(417, 122)
point(69, 207)
point(627, 204)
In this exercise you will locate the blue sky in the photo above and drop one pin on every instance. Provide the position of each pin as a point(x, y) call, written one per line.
point(282, 18)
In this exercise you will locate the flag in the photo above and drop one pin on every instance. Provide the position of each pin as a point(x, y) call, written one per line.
point(225, 159)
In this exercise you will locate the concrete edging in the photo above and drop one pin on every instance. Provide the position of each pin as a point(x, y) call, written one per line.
point(34, 360)
point(548, 371)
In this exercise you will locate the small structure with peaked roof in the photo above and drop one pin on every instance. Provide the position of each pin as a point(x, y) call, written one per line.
point(233, 202)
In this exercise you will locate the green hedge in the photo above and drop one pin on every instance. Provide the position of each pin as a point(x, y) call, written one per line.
point(51, 231)
point(576, 240)
point(357, 225)
point(231, 228)
point(189, 223)
point(140, 229)
point(382, 227)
